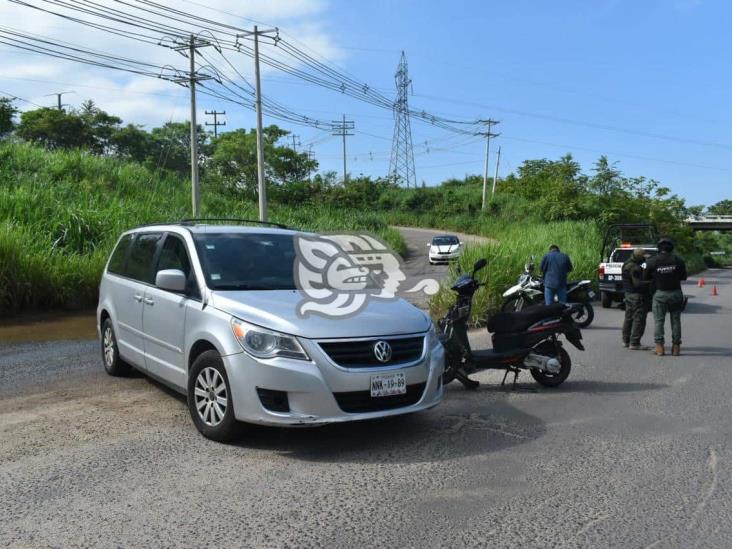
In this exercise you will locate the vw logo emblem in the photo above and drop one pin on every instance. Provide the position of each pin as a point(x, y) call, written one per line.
point(382, 351)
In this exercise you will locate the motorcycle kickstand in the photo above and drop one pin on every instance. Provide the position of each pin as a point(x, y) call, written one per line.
point(515, 376)
point(466, 381)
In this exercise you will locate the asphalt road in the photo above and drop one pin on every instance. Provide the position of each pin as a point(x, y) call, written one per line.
point(633, 450)
point(416, 264)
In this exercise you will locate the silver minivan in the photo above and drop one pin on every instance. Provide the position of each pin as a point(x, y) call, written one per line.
point(211, 311)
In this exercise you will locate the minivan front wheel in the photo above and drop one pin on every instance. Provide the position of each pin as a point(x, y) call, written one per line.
point(113, 364)
point(209, 398)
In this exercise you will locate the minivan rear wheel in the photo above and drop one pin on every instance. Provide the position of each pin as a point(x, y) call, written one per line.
point(209, 398)
point(113, 364)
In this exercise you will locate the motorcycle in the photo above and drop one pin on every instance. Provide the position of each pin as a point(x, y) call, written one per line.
point(523, 340)
point(529, 291)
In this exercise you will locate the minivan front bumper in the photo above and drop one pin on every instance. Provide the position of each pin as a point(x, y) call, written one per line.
point(317, 390)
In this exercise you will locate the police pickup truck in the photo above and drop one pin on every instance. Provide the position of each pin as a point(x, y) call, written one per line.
point(620, 240)
point(610, 272)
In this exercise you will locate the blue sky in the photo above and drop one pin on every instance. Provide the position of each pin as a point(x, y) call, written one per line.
point(646, 83)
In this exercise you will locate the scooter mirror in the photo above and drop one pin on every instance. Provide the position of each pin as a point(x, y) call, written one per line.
point(482, 262)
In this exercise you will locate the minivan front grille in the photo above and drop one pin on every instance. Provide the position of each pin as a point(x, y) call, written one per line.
point(360, 353)
point(355, 402)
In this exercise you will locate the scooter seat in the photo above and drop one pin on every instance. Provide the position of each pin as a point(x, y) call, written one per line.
point(504, 323)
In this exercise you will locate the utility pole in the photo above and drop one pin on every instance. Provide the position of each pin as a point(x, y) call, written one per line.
point(58, 98)
point(489, 123)
point(261, 183)
point(194, 42)
point(295, 141)
point(495, 175)
point(341, 127)
point(216, 122)
point(310, 156)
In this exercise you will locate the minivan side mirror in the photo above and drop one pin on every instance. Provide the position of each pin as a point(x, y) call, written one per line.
point(429, 244)
point(172, 280)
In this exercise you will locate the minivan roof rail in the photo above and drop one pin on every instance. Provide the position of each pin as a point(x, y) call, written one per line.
point(196, 220)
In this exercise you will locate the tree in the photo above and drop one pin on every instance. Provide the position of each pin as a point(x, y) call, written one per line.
point(170, 146)
point(55, 129)
point(7, 115)
point(723, 207)
point(131, 142)
point(234, 159)
point(100, 126)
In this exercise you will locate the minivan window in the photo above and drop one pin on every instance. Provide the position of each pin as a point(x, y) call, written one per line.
point(175, 256)
point(246, 261)
point(117, 260)
point(142, 253)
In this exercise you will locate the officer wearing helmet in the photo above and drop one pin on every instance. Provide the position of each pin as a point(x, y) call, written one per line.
point(666, 271)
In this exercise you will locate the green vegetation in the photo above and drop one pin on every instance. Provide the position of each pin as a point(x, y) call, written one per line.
point(86, 177)
point(62, 211)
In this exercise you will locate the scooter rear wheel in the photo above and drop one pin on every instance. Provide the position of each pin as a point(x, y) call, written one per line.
point(554, 380)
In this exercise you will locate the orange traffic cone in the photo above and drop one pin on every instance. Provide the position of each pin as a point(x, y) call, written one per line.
point(700, 284)
point(714, 290)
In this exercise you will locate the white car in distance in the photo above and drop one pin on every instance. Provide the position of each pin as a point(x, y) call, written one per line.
point(444, 248)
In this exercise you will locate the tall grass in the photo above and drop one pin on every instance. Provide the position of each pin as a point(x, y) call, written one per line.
point(61, 212)
point(506, 257)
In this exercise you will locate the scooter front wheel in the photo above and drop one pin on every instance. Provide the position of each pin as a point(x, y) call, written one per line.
point(554, 380)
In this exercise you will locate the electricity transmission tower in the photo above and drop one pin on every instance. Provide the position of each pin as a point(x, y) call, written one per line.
point(487, 134)
point(401, 165)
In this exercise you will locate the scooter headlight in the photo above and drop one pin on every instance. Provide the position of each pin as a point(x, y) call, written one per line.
point(262, 343)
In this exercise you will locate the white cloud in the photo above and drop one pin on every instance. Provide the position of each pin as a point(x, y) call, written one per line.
point(135, 98)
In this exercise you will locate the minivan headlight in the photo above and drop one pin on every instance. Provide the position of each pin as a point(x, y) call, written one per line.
point(262, 343)
point(432, 337)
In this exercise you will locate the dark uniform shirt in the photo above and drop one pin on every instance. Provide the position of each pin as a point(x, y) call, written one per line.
point(633, 282)
point(666, 270)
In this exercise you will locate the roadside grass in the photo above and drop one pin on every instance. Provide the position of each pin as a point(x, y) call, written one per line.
point(514, 246)
point(62, 211)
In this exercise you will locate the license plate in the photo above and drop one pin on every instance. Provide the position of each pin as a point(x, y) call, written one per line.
point(388, 384)
point(591, 294)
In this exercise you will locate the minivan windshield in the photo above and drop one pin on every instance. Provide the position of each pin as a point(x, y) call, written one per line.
point(247, 261)
point(445, 240)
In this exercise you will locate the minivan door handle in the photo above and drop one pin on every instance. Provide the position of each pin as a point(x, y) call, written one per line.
point(149, 301)
point(138, 298)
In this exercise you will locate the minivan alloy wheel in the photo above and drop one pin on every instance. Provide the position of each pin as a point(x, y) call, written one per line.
point(108, 344)
point(210, 396)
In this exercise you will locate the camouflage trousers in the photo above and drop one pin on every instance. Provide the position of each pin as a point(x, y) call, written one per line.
point(634, 324)
point(671, 303)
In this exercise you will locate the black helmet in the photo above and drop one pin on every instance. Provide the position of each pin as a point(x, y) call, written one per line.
point(665, 244)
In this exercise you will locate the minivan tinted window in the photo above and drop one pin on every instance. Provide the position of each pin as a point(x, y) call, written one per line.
point(117, 261)
point(140, 261)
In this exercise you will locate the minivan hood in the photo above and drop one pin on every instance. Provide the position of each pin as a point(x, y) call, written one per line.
point(277, 310)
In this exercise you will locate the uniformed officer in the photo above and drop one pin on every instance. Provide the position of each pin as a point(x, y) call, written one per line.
point(666, 271)
point(636, 300)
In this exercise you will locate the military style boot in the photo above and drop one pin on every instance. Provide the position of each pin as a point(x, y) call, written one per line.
point(660, 351)
point(676, 349)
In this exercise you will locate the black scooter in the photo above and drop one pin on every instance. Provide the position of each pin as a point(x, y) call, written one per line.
point(526, 339)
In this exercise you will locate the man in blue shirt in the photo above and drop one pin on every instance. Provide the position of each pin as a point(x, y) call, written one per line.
point(555, 265)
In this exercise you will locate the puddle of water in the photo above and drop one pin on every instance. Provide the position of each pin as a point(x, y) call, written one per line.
point(48, 327)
